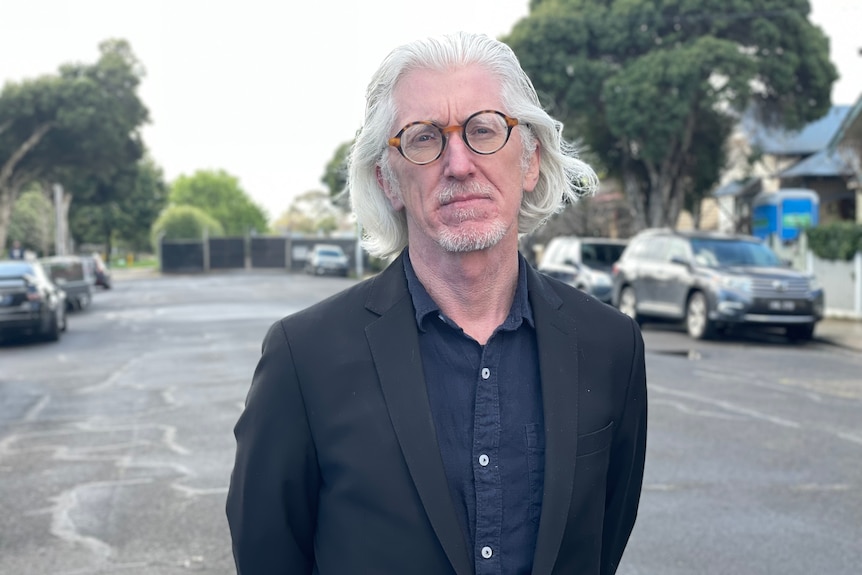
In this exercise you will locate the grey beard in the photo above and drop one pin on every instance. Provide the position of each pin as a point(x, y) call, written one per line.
point(462, 242)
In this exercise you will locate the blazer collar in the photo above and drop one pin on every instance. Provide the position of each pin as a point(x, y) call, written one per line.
point(394, 343)
point(557, 342)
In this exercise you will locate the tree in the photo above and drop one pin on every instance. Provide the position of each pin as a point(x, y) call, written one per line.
point(219, 194)
point(184, 223)
point(84, 120)
point(335, 174)
point(310, 213)
point(32, 221)
point(654, 87)
point(121, 207)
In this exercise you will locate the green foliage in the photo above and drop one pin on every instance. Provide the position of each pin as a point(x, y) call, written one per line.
point(310, 213)
point(83, 122)
point(654, 87)
point(32, 221)
point(180, 222)
point(219, 194)
point(120, 208)
point(335, 174)
point(835, 241)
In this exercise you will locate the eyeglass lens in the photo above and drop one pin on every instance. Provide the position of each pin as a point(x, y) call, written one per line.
point(484, 133)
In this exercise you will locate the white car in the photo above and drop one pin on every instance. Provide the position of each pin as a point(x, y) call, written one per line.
point(583, 262)
point(327, 259)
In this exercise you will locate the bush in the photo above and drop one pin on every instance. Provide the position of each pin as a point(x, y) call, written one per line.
point(836, 241)
point(184, 223)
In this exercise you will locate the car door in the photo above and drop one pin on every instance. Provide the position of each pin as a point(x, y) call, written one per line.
point(673, 277)
point(649, 271)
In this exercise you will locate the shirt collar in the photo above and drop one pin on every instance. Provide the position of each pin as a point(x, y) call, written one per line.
point(426, 307)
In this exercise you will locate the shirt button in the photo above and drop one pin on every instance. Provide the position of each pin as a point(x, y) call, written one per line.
point(486, 552)
point(483, 461)
point(486, 373)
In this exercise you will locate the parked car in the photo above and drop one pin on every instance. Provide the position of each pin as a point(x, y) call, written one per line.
point(583, 262)
point(30, 303)
point(98, 269)
point(74, 276)
point(713, 281)
point(326, 259)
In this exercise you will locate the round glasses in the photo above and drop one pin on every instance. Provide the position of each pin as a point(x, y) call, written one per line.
point(484, 132)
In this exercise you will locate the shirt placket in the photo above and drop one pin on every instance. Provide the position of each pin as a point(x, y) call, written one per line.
point(486, 469)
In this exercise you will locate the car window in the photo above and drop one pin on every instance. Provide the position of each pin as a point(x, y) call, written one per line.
point(727, 253)
point(653, 248)
point(676, 248)
point(330, 252)
point(69, 270)
point(600, 255)
point(15, 270)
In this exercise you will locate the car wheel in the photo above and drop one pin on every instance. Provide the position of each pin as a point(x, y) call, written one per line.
point(53, 332)
point(629, 303)
point(800, 333)
point(697, 320)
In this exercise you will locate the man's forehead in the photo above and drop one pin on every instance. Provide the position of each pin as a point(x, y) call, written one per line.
point(449, 95)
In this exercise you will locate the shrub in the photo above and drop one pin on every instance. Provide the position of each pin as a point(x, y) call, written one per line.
point(184, 223)
point(836, 240)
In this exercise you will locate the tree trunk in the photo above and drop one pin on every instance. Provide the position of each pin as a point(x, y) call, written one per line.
point(7, 200)
point(634, 194)
point(9, 183)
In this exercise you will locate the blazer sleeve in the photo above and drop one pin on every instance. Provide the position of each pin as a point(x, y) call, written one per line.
point(273, 494)
point(628, 452)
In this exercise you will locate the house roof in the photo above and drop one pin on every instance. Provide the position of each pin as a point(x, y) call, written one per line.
point(824, 163)
point(812, 138)
point(850, 124)
point(747, 186)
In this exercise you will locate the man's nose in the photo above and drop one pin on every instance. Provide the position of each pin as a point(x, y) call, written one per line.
point(457, 157)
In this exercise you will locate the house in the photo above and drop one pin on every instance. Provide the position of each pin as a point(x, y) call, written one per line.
point(820, 157)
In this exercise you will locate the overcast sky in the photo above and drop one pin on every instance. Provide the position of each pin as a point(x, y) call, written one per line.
point(267, 90)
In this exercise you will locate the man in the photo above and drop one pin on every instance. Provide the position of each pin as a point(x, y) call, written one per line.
point(16, 252)
point(457, 413)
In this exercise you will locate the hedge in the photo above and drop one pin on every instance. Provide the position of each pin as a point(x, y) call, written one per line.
point(835, 241)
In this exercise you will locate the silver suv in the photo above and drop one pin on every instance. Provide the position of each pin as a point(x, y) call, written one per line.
point(712, 281)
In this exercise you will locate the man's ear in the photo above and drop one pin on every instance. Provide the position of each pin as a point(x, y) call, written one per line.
point(393, 197)
point(531, 175)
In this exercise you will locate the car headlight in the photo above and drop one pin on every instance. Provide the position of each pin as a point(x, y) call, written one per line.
point(734, 283)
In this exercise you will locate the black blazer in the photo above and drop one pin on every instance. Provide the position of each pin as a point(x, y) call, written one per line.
point(338, 470)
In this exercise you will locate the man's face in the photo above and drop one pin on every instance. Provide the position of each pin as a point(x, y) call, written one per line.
point(463, 201)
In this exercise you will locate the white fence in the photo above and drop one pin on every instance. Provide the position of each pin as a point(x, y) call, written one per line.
point(842, 284)
point(841, 281)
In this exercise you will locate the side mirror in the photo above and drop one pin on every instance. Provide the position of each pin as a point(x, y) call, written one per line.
point(680, 261)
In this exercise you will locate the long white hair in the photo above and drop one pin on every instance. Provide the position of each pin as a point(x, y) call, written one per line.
point(562, 176)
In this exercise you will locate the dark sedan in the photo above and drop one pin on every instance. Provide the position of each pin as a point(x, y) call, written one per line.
point(30, 303)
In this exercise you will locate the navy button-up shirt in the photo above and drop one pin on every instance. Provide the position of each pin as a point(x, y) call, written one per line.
point(487, 409)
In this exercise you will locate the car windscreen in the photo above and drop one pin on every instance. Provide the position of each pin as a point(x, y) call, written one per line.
point(601, 256)
point(330, 253)
point(732, 253)
point(71, 270)
point(15, 270)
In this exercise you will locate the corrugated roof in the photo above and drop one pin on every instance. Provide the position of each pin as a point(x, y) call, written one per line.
point(824, 163)
point(746, 186)
point(812, 138)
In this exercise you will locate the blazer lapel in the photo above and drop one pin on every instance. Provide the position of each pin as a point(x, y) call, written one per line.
point(394, 343)
point(558, 367)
